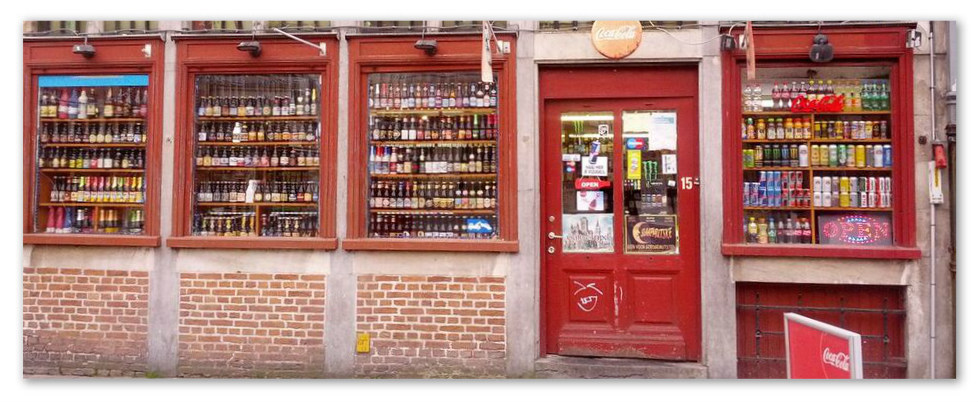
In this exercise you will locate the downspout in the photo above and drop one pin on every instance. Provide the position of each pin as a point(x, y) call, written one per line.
point(933, 218)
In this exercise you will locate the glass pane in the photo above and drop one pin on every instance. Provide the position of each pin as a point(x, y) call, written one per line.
point(433, 152)
point(257, 155)
point(650, 161)
point(587, 148)
point(816, 142)
point(91, 136)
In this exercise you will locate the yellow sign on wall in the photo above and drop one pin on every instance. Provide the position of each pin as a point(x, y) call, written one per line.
point(363, 342)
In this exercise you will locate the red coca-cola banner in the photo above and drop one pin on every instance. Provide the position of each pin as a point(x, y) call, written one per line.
point(817, 350)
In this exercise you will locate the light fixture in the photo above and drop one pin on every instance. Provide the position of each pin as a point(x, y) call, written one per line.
point(727, 42)
point(252, 46)
point(429, 46)
point(86, 50)
point(913, 38)
point(822, 50)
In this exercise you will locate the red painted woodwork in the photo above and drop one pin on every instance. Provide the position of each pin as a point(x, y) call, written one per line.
point(877, 313)
point(647, 305)
point(854, 46)
point(199, 55)
point(113, 56)
point(394, 54)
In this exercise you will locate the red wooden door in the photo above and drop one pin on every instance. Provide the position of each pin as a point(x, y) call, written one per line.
point(621, 228)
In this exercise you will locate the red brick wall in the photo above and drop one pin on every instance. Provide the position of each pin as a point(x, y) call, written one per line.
point(432, 326)
point(85, 322)
point(252, 325)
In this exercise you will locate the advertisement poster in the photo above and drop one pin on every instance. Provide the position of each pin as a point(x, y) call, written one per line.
point(651, 234)
point(634, 163)
point(588, 233)
point(597, 167)
point(663, 131)
point(590, 200)
point(818, 350)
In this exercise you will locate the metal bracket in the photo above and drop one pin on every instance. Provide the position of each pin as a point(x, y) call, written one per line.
point(321, 46)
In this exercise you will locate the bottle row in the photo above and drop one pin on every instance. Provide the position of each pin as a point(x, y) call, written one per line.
point(472, 127)
point(852, 191)
point(263, 101)
point(785, 229)
point(93, 103)
point(804, 129)
point(257, 191)
point(255, 157)
point(860, 95)
point(460, 195)
point(83, 220)
point(820, 156)
point(102, 158)
point(777, 189)
point(430, 159)
point(243, 132)
point(92, 133)
point(427, 225)
point(97, 189)
point(273, 224)
point(406, 92)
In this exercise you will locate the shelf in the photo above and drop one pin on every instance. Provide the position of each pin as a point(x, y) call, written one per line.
point(820, 251)
point(96, 145)
point(881, 209)
point(224, 204)
point(759, 208)
point(433, 175)
point(258, 169)
point(776, 169)
point(256, 118)
point(92, 239)
point(868, 141)
point(95, 120)
point(89, 204)
point(864, 169)
point(251, 242)
point(433, 211)
point(853, 113)
point(431, 245)
point(774, 113)
point(90, 170)
point(432, 111)
point(432, 142)
point(764, 141)
point(257, 143)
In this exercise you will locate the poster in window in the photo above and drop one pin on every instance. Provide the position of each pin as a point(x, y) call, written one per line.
point(588, 233)
point(651, 234)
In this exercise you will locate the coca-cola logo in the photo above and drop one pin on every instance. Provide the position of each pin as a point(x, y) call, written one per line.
point(616, 39)
point(839, 360)
point(617, 34)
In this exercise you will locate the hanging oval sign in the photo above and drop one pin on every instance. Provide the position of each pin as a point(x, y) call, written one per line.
point(616, 39)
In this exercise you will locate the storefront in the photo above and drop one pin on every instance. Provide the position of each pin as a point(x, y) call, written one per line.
point(364, 204)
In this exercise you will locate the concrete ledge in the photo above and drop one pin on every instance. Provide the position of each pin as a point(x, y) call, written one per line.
point(556, 367)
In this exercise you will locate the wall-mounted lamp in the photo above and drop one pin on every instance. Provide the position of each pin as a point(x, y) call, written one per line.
point(253, 47)
point(429, 46)
point(727, 42)
point(913, 38)
point(84, 49)
point(822, 51)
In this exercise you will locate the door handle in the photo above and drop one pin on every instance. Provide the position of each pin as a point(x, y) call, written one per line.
point(552, 235)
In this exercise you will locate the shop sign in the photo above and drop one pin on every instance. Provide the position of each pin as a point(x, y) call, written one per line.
point(590, 184)
point(855, 229)
point(817, 350)
point(651, 233)
point(616, 39)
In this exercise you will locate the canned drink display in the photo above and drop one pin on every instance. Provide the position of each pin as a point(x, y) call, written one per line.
point(755, 193)
point(823, 155)
point(883, 133)
point(851, 156)
point(817, 199)
point(878, 156)
point(833, 157)
point(842, 155)
point(887, 155)
point(746, 196)
point(854, 199)
point(843, 199)
point(872, 200)
point(863, 200)
point(847, 129)
point(862, 184)
point(871, 185)
point(826, 184)
point(860, 156)
point(817, 183)
point(835, 183)
point(826, 199)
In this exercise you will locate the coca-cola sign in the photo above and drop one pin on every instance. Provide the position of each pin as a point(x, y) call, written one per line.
point(817, 350)
point(616, 39)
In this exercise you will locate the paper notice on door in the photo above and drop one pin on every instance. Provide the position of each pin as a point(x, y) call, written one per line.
point(636, 122)
point(634, 162)
point(598, 168)
point(669, 164)
point(590, 200)
point(663, 131)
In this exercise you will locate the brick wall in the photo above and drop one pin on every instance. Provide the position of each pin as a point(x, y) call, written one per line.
point(431, 326)
point(254, 325)
point(85, 322)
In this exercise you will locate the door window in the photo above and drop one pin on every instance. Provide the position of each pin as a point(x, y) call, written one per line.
point(651, 182)
point(587, 197)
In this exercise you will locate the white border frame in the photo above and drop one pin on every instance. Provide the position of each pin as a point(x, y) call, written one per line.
point(855, 341)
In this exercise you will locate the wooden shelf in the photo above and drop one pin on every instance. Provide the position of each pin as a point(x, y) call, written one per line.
point(95, 120)
point(769, 141)
point(261, 169)
point(256, 118)
point(432, 142)
point(867, 141)
point(407, 211)
point(433, 175)
point(258, 143)
point(95, 145)
point(760, 208)
point(864, 169)
point(262, 204)
point(883, 209)
point(853, 113)
point(432, 111)
point(90, 170)
point(776, 169)
point(790, 113)
point(89, 204)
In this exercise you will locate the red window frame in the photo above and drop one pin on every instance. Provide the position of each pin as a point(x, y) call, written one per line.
point(113, 56)
point(210, 55)
point(853, 46)
point(394, 54)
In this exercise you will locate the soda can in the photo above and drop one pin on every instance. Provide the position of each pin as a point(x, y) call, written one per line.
point(833, 156)
point(817, 198)
point(755, 193)
point(862, 129)
point(860, 156)
point(883, 132)
point(854, 199)
point(835, 184)
point(826, 184)
point(887, 156)
point(842, 154)
point(878, 156)
point(887, 189)
point(872, 200)
point(863, 199)
point(847, 129)
point(871, 185)
point(823, 155)
point(844, 184)
point(851, 156)
point(843, 199)
point(747, 194)
point(817, 184)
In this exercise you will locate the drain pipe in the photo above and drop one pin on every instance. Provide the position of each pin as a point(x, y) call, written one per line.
point(933, 219)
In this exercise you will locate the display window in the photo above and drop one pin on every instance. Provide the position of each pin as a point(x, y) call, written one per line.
point(257, 148)
point(431, 149)
point(92, 129)
point(820, 156)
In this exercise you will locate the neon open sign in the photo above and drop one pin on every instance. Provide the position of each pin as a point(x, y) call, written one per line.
point(855, 229)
